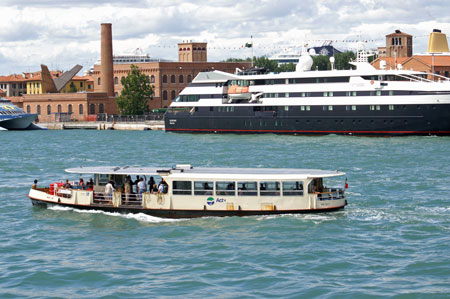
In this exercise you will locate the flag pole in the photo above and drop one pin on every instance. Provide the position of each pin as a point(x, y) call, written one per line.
point(251, 40)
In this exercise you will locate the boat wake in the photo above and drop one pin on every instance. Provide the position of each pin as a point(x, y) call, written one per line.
point(139, 217)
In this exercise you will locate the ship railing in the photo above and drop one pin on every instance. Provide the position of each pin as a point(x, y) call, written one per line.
point(332, 194)
point(126, 199)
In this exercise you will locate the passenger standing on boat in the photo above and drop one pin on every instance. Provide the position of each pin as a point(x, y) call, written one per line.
point(81, 183)
point(142, 187)
point(151, 182)
point(128, 184)
point(136, 182)
point(163, 187)
point(67, 185)
point(109, 189)
point(34, 185)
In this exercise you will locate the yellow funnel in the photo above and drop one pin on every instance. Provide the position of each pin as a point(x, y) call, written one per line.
point(437, 42)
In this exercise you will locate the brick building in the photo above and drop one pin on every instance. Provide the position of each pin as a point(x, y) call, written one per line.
point(169, 78)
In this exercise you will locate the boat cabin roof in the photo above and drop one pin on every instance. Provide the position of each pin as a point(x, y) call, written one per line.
point(188, 172)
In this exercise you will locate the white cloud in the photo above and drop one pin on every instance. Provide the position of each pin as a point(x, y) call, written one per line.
point(62, 34)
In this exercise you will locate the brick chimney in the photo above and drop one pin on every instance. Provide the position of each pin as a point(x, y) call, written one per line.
point(106, 67)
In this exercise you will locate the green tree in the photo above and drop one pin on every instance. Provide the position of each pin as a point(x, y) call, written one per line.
point(136, 92)
point(265, 63)
point(286, 67)
point(342, 60)
point(321, 63)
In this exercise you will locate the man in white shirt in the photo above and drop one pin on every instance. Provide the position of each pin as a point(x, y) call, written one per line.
point(142, 187)
point(109, 189)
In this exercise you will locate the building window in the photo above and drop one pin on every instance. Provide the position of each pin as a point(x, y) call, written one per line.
point(100, 108)
point(81, 84)
point(172, 95)
point(59, 109)
point(49, 109)
point(69, 109)
point(165, 95)
point(180, 79)
point(165, 79)
point(99, 81)
point(28, 109)
point(38, 109)
point(172, 79)
point(80, 109)
point(189, 79)
point(116, 80)
point(152, 79)
point(92, 109)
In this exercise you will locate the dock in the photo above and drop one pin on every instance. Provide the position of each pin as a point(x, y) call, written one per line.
point(99, 125)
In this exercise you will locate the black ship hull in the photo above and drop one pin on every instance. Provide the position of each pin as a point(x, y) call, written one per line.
point(369, 120)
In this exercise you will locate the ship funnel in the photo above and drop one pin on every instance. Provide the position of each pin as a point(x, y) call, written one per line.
point(437, 42)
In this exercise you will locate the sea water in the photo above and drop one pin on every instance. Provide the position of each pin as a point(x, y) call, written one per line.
point(393, 238)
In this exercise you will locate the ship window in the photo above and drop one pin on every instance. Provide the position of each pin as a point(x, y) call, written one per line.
point(330, 108)
point(38, 108)
point(353, 107)
point(286, 108)
point(182, 187)
point(292, 188)
point(225, 188)
point(378, 92)
point(354, 93)
point(372, 107)
point(203, 188)
point(324, 108)
point(372, 93)
point(269, 188)
point(347, 93)
point(377, 107)
point(247, 189)
point(325, 94)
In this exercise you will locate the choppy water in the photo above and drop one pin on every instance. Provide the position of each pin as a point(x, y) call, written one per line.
point(391, 240)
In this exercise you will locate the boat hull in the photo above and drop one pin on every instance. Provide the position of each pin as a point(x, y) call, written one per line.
point(172, 213)
point(18, 122)
point(420, 119)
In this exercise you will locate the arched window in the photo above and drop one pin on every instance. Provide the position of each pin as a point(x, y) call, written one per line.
point(49, 109)
point(28, 109)
point(189, 79)
point(59, 109)
point(38, 109)
point(116, 80)
point(116, 94)
point(69, 109)
point(165, 79)
point(99, 81)
point(100, 108)
point(152, 79)
point(80, 109)
point(172, 95)
point(92, 109)
point(180, 79)
point(165, 95)
point(172, 79)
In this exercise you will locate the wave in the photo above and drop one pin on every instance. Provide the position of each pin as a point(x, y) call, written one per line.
point(139, 217)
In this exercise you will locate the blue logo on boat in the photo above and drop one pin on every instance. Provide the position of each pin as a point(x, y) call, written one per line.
point(210, 201)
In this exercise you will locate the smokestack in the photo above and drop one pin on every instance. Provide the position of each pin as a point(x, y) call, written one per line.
point(437, 42)
point(106, 67)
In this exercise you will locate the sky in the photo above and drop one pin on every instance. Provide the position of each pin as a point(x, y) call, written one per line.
point(62, 34)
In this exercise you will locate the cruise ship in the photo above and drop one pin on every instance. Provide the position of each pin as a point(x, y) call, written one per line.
point(14, 118)
point(364, 101)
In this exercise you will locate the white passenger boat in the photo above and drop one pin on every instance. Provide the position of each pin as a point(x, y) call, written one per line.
point(197, 191)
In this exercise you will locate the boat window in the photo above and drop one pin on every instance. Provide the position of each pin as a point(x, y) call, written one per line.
point(101, 179)
point(225, 188)
point(182, 187)
point(292, 188)
point(247, 189)
point(269, 188)
point(203, 188)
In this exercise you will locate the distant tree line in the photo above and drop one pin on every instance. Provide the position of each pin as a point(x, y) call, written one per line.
point(320, 62)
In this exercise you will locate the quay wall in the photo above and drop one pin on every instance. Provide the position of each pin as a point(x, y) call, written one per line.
point(93, 125)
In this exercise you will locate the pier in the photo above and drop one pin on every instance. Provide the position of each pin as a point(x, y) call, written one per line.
point(101, 125)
